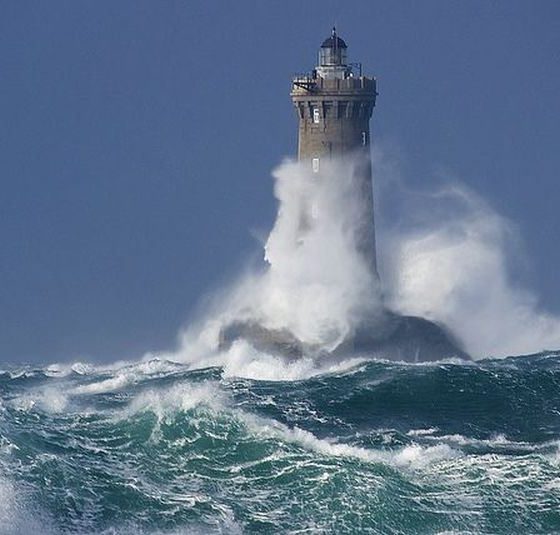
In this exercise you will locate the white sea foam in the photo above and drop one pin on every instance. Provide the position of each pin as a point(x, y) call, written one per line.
point(47, 399)
point(554, 457)
point(412, 456)
point(106, 385)
point(418, 457)
point(53, 400)
point(496, 444)
point(422, 432)
point(183, 397)
point(124, 373)
point(242, 360)
point(64, 369)
point(245, 361)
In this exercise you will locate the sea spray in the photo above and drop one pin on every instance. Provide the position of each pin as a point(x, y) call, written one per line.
point(316, 283)
point(450, 259)
point(445, 255)
point(319, 285)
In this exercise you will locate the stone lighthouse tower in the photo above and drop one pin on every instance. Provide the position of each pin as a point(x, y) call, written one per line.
point(334, 104)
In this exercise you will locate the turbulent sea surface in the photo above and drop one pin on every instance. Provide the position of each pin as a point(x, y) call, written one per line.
point(379, 447)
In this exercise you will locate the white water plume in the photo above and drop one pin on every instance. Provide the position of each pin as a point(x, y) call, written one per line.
point(319, 285)
point(316, 283)
point(445, 256)
point(449, 258)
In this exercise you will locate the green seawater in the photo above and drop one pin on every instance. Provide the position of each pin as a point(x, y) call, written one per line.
point(380, 448)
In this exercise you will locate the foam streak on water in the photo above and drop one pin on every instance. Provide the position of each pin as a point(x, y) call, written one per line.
point(377, 447)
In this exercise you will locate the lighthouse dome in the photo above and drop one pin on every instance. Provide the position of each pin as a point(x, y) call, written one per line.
point(332, 54)
point(334, 42)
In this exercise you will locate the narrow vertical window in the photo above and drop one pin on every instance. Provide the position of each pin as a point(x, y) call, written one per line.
point(316, 116)
point(314, 210)
point(364, 138)
point(315, 165)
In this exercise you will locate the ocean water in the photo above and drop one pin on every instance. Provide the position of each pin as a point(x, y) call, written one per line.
point(378, 447)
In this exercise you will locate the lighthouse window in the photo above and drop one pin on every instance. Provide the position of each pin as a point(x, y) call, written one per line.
point(364, 138)
point(315, 163)
point(316, 116)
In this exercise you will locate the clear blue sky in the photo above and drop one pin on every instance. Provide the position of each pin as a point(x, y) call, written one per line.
point(138, 139)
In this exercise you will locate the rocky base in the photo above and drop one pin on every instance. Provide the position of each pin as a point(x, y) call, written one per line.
point(392, 337)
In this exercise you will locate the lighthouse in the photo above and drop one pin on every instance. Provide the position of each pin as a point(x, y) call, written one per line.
point(334, 104)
